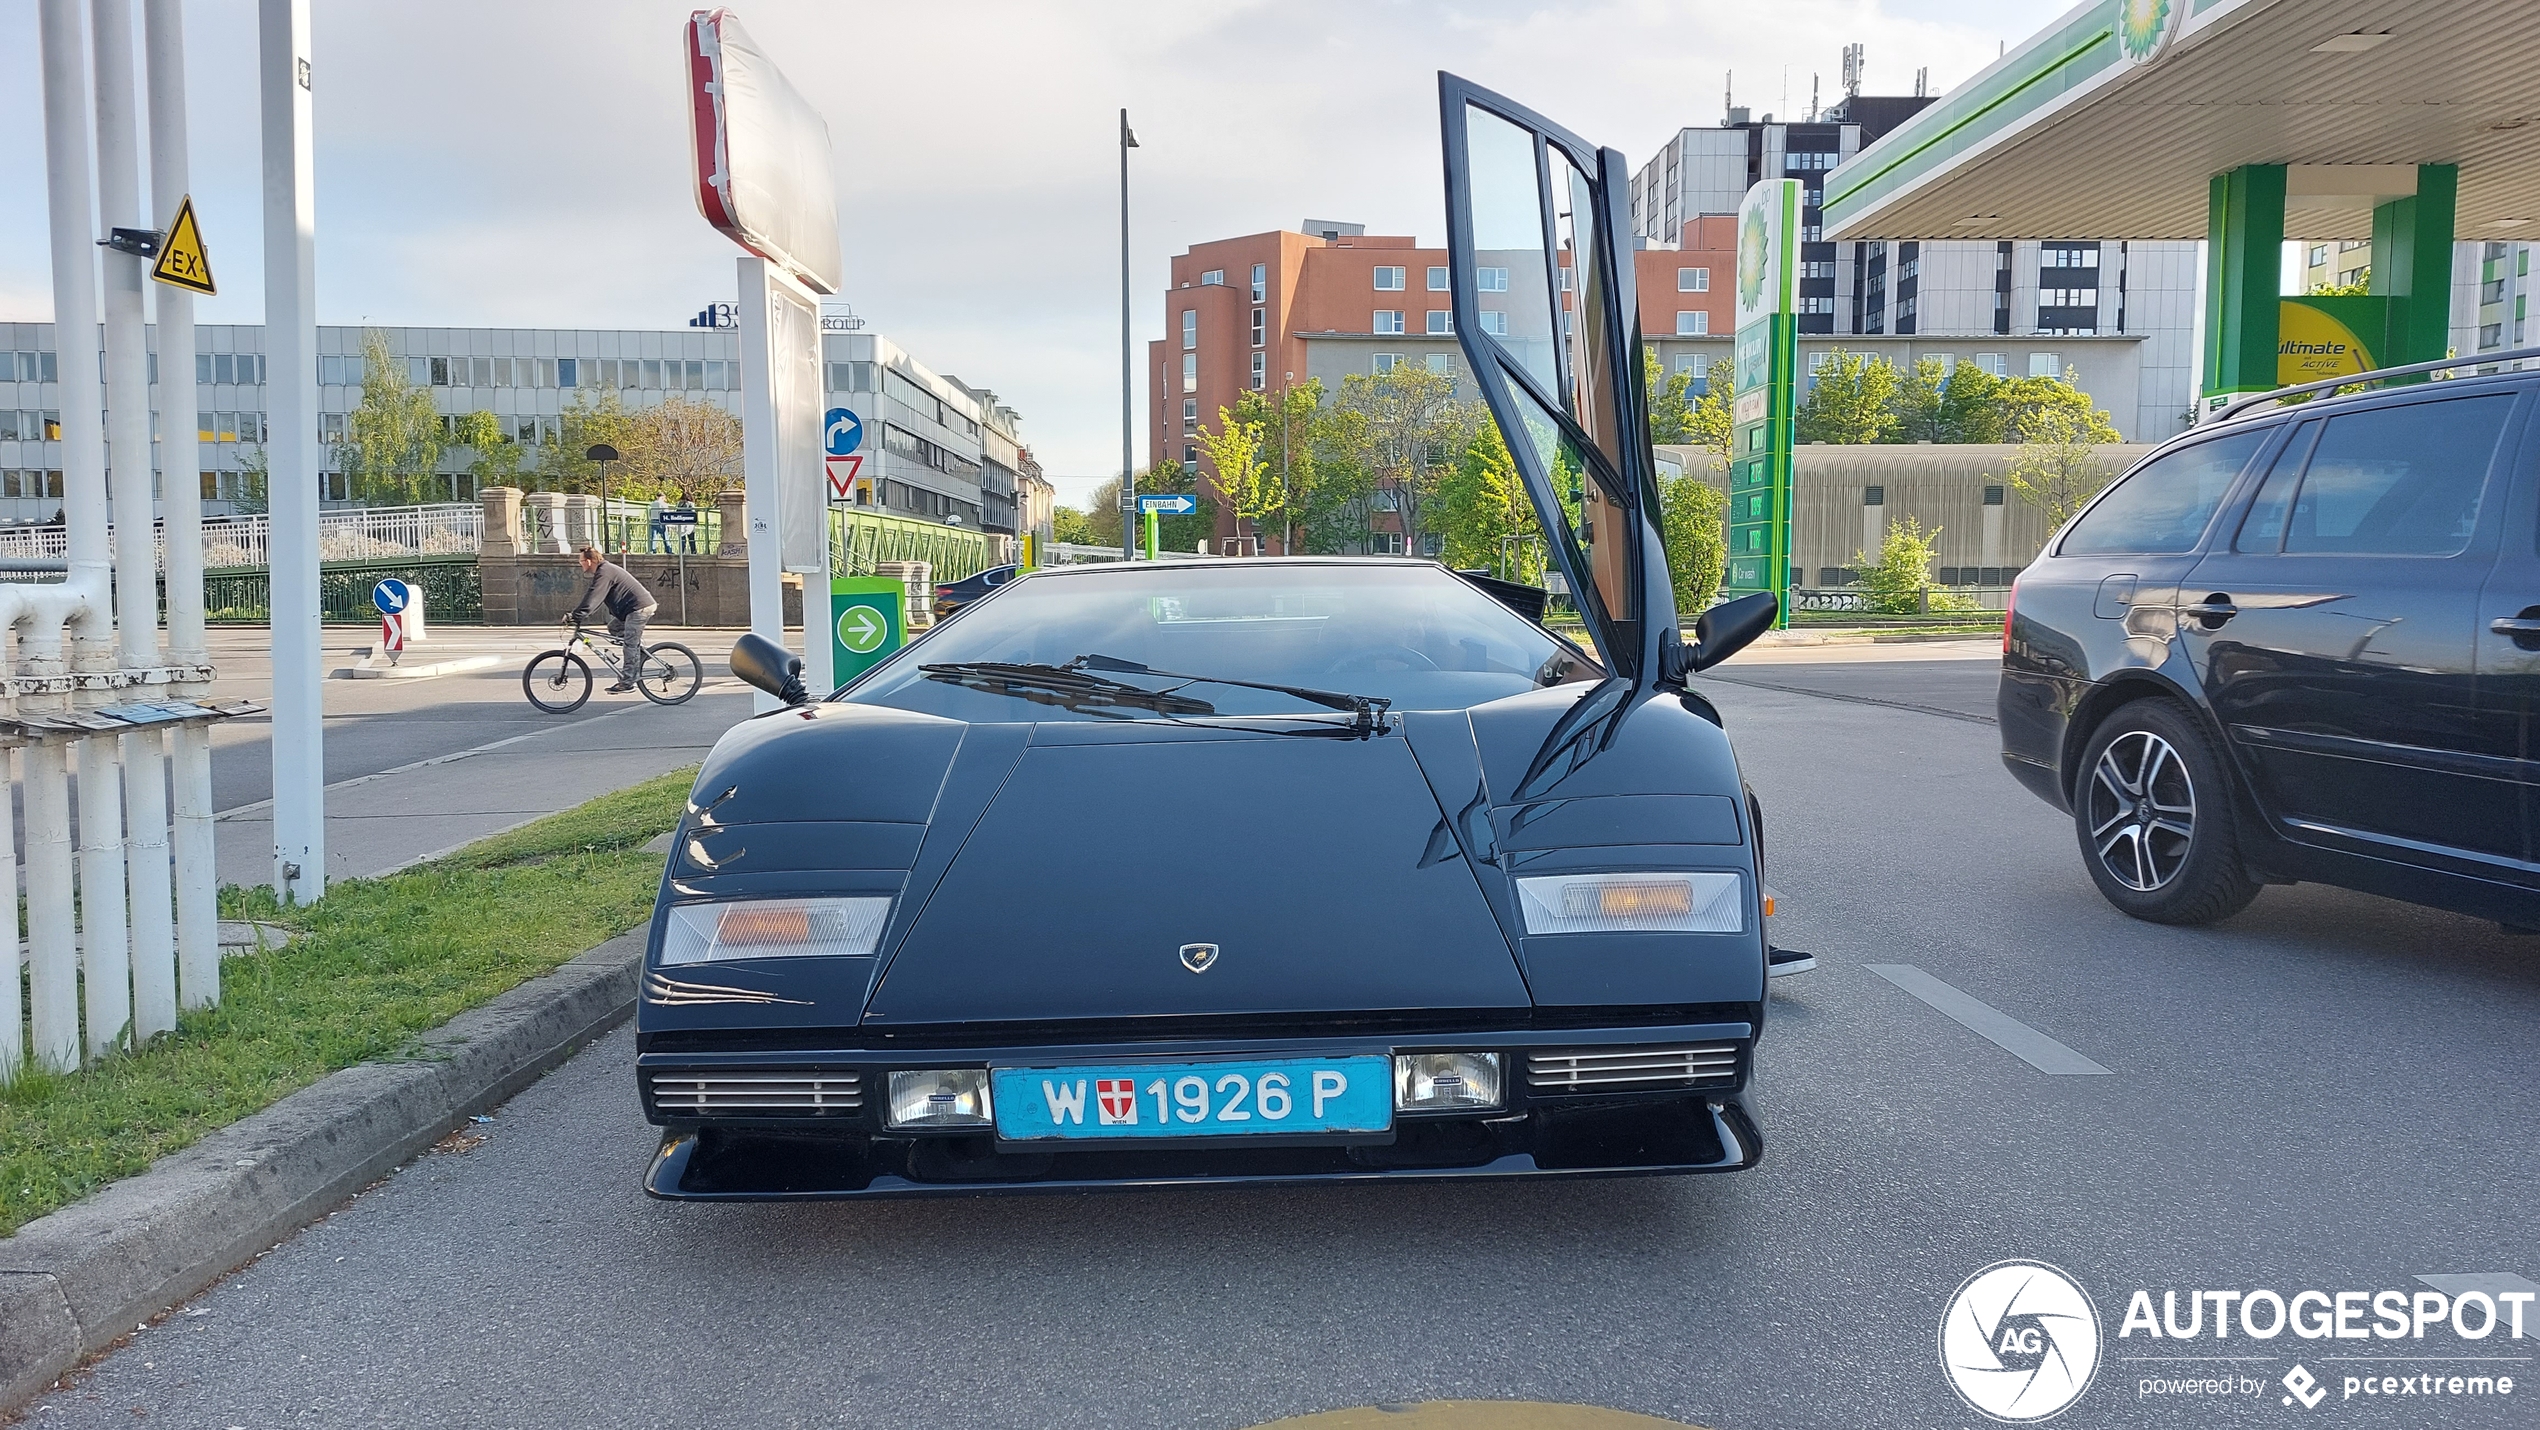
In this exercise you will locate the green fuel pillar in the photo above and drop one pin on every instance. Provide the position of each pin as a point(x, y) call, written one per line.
point(2412, 266)
point(2244, 279)
point(1765, 408)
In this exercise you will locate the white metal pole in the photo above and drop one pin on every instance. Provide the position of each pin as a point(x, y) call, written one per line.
point(51, 936)
point(761, 447)
point(12, 1007)
point(128, 474)
point(181, 508)
point(299, 781)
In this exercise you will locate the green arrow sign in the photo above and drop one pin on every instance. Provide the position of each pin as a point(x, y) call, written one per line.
point(867, 621)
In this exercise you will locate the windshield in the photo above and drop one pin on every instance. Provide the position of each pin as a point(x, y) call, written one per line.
point(1414, 635)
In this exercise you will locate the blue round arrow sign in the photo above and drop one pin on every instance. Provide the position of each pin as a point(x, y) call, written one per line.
point(391, 596)
point(842, 433)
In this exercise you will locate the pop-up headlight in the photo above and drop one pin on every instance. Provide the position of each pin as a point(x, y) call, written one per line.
point(774, 928)
point(1633, 903)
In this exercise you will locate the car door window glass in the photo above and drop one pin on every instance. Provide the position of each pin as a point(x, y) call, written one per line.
point(2164, 507)
point(2262, 529)
point(2398, 481)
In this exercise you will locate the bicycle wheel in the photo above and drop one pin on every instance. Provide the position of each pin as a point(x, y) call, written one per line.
point(671, 673)
point(557, 681)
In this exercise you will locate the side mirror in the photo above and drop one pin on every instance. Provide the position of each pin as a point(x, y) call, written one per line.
point(764, 664)
point(1726, 629)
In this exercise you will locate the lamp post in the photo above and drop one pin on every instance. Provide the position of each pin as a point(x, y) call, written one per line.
point(1128, 471)
point(603, 453)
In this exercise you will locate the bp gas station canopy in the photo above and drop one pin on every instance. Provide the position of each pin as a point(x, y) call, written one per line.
point(2244, 123)
point(2111, 122)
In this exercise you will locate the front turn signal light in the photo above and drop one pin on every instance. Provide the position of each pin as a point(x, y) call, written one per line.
point(1695, 902)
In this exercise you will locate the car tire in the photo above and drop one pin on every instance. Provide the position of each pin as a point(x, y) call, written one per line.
point(2153, 809)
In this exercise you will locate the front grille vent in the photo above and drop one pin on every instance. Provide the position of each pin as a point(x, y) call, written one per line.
point(686, 1092)
point(1632, 1069)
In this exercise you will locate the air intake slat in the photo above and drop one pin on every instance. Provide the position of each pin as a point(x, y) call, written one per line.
point(1632, 1069)
point(772, 1093)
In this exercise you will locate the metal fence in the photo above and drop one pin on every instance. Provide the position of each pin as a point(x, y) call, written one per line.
point(1853, 599)
point(349, 534)
point(860, 539)
point(453, 592)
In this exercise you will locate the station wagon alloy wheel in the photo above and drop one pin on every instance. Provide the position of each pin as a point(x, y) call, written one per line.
point(2142, 807)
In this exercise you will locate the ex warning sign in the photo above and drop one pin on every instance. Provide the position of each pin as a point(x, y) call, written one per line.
point(182, 261)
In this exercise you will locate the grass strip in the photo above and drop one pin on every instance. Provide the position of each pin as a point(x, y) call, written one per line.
point(376, 963)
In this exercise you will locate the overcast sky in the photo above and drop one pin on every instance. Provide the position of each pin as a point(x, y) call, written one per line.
point(525, 164)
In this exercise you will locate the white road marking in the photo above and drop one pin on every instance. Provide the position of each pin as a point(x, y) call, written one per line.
point(264, 804)
point(1986, 1021)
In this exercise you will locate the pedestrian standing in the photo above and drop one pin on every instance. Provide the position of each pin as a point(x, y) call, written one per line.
point(658, 537)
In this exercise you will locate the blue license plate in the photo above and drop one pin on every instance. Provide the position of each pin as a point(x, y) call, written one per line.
point(1198, 1099)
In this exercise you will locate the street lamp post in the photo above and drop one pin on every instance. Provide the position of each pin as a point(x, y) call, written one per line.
point(1128, 473)
point(603, 453)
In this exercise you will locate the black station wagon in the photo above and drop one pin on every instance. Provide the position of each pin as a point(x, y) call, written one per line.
point(2301, 642)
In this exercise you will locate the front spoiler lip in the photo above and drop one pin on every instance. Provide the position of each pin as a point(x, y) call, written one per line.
point(1741, 1146)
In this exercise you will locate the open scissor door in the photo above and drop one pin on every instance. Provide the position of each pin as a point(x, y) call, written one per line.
point(1538, 236)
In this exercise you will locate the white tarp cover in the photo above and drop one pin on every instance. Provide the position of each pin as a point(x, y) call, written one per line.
point(802, 477)
point(764, 175)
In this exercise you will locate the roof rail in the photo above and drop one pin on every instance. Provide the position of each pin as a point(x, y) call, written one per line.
point(2379, 374)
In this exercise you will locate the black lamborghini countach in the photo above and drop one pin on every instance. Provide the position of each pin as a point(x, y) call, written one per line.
point(1253, 870)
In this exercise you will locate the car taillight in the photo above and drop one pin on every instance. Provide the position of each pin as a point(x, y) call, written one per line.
point(942, 591)
point(2009, 602)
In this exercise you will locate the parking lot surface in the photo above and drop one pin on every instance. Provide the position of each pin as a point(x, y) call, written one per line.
point(2327, 1091)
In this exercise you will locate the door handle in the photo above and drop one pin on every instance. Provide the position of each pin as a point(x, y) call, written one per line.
point(2514, 626)
point(2213, 610)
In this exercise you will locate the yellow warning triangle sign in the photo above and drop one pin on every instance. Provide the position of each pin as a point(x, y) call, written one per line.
point(182, 261)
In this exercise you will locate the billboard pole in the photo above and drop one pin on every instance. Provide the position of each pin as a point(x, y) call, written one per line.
point(1128, 467)
point(291, 476)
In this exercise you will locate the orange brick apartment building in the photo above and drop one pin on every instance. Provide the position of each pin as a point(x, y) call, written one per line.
point(1327, 299)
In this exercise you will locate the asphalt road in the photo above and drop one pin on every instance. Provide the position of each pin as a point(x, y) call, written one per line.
point(2328, 1091)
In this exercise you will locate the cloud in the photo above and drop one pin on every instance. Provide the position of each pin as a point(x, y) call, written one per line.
point(526, 164)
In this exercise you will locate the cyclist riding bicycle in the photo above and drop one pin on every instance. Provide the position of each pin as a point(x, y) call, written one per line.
point(629, 605)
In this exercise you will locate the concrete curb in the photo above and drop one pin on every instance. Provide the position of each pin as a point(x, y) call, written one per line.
point(73, 1282)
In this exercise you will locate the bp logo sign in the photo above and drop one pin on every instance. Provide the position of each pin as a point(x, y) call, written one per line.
point(2144, 26)
point(2020, 1341)
point(1754, 255)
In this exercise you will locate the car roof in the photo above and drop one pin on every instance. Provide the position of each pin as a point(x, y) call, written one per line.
point(2447, 387)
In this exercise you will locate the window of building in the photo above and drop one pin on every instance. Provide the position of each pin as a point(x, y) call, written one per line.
point(1824, 304)
point(1190, 328)
point(2068, 255)
point(1441, 363)
point(330, 426)
point(1387, 321)
point(1386, 361)
point(1818, 360)
point(1260, 369)
point(1213, 278)
point(1260, 281)
point(1258, 327)
point(1441, 323)
point(2491, 335)
point(1494, 322)
point(2353, 276)
point(1190, 414)
point(1565, 278)
point(1190, 372)
point(1693, 280)
point(1873, 496)
point(1490, 280)
point(2319, 255)
point(1993, 363)
point(1190, 454)
point(2045, 365)
point(2067, 297)
point(1437, 280)
point(1692, 323)
point(1687, 362)
point(1813, 233)
point(1389, 279)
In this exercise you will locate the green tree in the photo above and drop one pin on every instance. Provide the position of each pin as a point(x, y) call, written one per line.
point(1970, 406)
point(1709, 423)
point(494, 457)
point(1237, 476)
point(2050, 409)
point(1409, 426)
point(587, 420)
point(1921, 404)
point(683, 448)
point(1671, 417)
point(2360, 288)
point(1898, 583)
point(254, 463)
point(1068, 525)
point(1289, 448)
point(1102, 515)
point(1693, 516)
point(392, 441)
point(2058, 469)
point(1188, 531)
point(1853, 400)
point(1481, 501)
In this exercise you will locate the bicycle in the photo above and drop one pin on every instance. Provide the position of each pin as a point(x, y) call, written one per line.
point(558, 681)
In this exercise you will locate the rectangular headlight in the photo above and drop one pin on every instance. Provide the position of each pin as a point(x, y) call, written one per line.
point(944, 1097)
point(774, 928)
point(1445, 1082)
point(1633, 903)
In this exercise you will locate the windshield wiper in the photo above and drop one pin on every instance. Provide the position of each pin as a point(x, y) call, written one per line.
point(1367, 711)
point(1063, 686)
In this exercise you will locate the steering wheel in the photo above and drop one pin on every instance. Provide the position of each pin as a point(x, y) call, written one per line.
point(1367, 658)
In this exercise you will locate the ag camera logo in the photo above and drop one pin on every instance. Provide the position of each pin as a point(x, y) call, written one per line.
point(2020, 1341)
